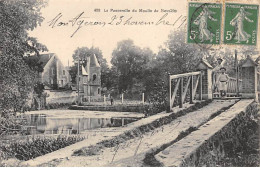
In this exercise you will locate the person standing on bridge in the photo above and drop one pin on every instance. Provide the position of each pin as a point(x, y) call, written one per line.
point(223, 82)
point(216, 73)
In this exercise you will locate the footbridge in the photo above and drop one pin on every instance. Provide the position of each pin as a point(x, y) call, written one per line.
point(187, 87)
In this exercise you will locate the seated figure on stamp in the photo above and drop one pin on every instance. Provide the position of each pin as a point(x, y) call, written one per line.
point(215, 74)
point(202, 21)
point(223, 82)
point(237, 22)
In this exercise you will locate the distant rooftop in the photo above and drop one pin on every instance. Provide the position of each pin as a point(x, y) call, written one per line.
point(43, 58)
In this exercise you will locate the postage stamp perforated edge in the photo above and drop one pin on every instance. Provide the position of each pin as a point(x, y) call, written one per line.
point(223, 2)
point(240, 2)
point(188, 21)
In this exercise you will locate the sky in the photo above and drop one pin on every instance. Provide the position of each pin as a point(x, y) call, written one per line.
point(58, 38)
point(77, 16)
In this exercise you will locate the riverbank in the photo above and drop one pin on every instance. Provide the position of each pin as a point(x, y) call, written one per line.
point(110, 134)
point(129, 148)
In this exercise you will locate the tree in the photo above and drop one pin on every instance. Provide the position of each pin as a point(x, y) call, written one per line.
point(130, 62)
point(17, 17)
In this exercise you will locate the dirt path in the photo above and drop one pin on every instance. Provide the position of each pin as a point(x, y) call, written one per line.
point(132, 152)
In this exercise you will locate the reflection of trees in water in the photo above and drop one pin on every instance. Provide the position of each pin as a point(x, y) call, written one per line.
point(49, 125)
point(37, 119)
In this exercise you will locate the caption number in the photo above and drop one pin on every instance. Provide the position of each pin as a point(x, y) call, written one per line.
point(193, 35)
point(229, 35)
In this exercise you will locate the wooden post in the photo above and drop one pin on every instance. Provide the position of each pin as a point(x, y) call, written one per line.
point(89, 99)
point(143, 98)
point(78, 80)
point(169, 94)
point(236, 67)
point(181, 93)
point(122, 97)
point(200, 91)
point(104, 99)
point(78, 125)
point(191, 90)
point(123, 122)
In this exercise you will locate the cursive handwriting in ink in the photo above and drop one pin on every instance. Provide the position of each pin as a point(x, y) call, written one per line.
point(53, 22)
point(164, 21)
point(79, 21)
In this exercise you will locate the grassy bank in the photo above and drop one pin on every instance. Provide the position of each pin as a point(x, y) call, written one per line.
point(248, 154)
point(35, 147)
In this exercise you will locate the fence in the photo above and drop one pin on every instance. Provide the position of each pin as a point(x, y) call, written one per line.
point(232, 86)
point(258, 85)
point(118, 99)
point(181, 85)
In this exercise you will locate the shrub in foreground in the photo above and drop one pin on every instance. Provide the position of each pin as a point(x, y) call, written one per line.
point(36, 147)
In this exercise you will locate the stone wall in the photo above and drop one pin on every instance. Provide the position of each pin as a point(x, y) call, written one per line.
point(223, 142)
point(140, 108)
point(54, 96)
point(212, 141)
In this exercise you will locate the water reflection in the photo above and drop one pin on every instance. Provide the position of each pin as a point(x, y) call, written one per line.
point(42, 124)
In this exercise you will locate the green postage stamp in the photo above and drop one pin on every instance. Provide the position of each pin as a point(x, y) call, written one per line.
point(204, 23)
point(240, 25)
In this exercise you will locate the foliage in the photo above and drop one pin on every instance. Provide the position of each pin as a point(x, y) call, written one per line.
point(130, 62)
point(248, 154)
point(158, 97)
point(11, 126)
point(17, 17)
point(36, 147)
point(38, 88)
point(73, 73)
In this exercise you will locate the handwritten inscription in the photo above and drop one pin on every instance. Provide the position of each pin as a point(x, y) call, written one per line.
point(80, 21)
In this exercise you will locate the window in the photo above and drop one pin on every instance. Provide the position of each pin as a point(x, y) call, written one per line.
point(98, 90)
point(63, 72)
point(94, 77)
point(52, 71)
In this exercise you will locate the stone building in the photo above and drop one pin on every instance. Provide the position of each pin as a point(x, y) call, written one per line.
point(54, 74)
point(90, 77)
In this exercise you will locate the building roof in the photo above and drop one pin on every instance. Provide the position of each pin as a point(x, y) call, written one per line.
point(204, 63)
point(43, 58)
point(249, 62)
point(94, 61)
point(84, 71)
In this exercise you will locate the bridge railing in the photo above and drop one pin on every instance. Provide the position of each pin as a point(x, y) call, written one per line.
point(258, 82)
point(232, 86)
point(183, 88)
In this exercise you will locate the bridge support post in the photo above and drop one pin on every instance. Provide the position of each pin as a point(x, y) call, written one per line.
point(168, 109)
point(249, 79)
point(206, 70)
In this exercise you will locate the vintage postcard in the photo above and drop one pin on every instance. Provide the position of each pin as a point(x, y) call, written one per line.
point(129, 83)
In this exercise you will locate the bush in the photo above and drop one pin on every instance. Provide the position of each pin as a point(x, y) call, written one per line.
point(36, 147)
point(158, 98)
point(12, 126)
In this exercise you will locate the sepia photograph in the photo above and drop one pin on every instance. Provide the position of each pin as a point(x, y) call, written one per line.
point(129, 83)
